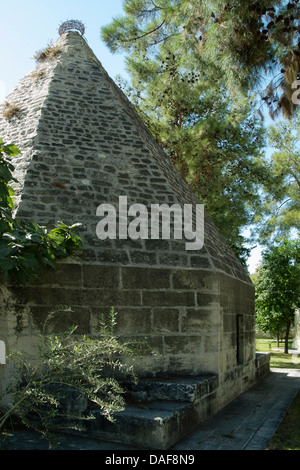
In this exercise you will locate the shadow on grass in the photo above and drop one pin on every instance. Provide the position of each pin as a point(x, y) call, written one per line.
point(278, 359)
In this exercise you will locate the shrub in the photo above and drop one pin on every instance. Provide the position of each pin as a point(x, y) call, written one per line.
point(49, 52)
point(10, 110)
point(88, 367)
point(25, 248)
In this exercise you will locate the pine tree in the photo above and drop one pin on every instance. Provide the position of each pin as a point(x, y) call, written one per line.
point(212, 134)
point(281, 204)
point(248, 44)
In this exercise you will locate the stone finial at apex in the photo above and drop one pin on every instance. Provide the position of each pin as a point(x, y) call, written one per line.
point(71, 25)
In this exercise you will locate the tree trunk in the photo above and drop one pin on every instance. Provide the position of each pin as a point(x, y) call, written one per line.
point(286, 341)
point(277, 337)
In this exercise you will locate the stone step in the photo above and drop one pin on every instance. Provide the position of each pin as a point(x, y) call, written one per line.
point(159, 412)
point(159, 425)
point(171, 389)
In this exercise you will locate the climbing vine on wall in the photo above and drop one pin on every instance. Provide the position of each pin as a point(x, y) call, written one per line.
point(25, 248)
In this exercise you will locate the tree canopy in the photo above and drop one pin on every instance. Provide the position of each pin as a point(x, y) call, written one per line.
point(211, 131)
point(249, 44)
point(278, 288)
point(280, 216)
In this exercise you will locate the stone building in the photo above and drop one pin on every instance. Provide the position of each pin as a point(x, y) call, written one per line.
point(83, 145)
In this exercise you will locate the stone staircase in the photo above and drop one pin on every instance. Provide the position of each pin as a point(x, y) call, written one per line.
point(159, 412)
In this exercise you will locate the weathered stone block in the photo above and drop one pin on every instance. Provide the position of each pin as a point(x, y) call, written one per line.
point(165, 320)
point(189, 344)
point(195, 280)
point(229, 323)
point(116, 257)
point(48, 296)
point(103, 277)
point(115, 298)
point(133, 320)
point(206, 300)
point(212, 343)
point(63, 274)
point(60, 318)
point(172, 259)
point(200, 262)
point(142, 257)
point(145, 278)
point(205, 362)
point(150, 348)
point(168, 298)
point(200, 320)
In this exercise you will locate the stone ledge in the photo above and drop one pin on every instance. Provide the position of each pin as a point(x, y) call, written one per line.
point(173, 389)
point(262, 364)
point(159, 412)
point(262, 358)
point(159, 426)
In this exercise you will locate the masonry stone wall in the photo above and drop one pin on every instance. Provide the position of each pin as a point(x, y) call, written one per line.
point(83, 144)
point(179, 313)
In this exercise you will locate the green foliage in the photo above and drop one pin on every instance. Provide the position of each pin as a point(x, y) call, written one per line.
point(66, 365)
point(244, 43)
point(27, 247)
point(281, 204)
point(278, 288)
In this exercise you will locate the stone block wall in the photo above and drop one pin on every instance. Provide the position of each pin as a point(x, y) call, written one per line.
point(188, 317)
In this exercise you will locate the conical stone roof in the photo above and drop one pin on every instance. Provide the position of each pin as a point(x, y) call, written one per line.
point(82, 145)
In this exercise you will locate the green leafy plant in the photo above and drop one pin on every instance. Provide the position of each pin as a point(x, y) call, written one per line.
point(85, 368)
point(27, 247)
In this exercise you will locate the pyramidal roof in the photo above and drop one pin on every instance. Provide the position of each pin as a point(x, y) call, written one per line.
point(82, 145)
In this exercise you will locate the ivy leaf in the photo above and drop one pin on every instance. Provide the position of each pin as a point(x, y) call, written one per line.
point(11, 150)
point(25, 248)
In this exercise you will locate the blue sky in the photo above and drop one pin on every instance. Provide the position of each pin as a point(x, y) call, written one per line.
point(29, 25)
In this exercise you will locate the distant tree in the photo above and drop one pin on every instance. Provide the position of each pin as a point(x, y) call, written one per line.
point(281, 208)
point(278, 288)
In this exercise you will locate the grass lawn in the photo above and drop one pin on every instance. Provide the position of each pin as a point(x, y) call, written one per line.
point(287, 436)
point(277, 357)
